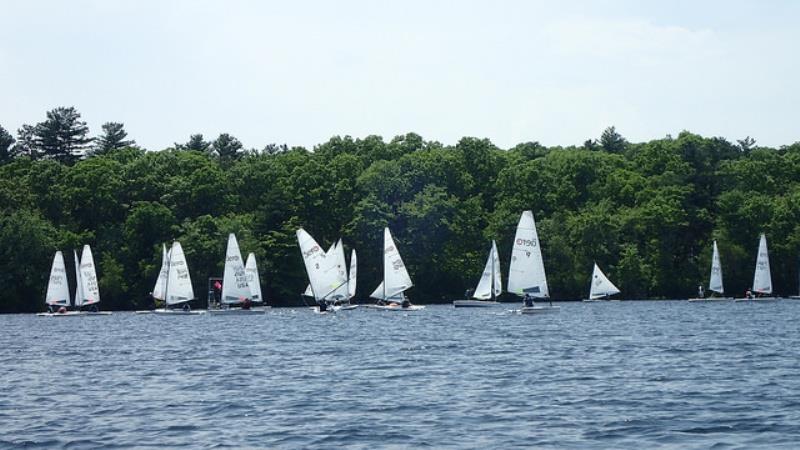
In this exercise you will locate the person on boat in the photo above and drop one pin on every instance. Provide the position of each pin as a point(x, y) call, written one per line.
point(528, 299)
point(323, 306)
point(62, 310)
point(186, 307)
point(748, 294)
point(405, 303)
point(700, 291)
point(247, 303)
point(93, 309)
point(468, 293)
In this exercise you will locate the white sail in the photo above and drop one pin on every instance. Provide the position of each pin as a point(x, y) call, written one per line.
point(378, 294)
point(321, 268)
point(341, 266)
point(601, 285)
point(161, 281)
point(395, 275)
point(762, 279)
point(234, 279)
point(253, 279)
point(484, 289)
point(351, 278)
point(715, 281)
point(310, 292)
point(78, 285)
point(526, 271)
point(498, 282)
point(90, 292)
point(57, 286)
point(179, 283)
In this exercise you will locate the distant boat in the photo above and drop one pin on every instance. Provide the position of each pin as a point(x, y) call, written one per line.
point(526, 277)
point(237, 296)
point(715, 281)
point(178, 291)
point(351, 283)
point(87, 293)
point(490, 286)
point(391, 292)
point(325, 270)
point(254, 281)
point(601, 287)
point(762, 278)
point(57, 296)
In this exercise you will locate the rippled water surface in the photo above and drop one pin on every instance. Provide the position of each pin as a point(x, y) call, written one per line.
point(611, 375)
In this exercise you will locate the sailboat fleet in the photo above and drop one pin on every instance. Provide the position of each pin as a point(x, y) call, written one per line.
point(332, 286)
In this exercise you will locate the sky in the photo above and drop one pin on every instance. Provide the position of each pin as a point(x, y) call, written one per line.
point(301, 72)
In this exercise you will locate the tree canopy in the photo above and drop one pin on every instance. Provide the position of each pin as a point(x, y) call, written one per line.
point(646, 212)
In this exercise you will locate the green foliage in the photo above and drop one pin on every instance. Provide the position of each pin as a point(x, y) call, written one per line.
point(113, 137)
point(646, 212)
point(6, 146)
point(62, 137)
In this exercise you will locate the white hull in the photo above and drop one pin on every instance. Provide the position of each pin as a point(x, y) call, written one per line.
point(345, 307)
point(238, 311)
point(473, 303)
point(711, 300)
point(598, 300)
point(178, 312)
point(757, 300)
point(397, 307)
point(74, 314)
point(538, 309)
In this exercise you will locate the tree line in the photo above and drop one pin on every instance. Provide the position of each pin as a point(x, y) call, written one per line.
point(646, 212)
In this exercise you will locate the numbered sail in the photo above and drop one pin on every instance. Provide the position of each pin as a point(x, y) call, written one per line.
point(57, 286)
point(601, 285)
point(253, 279)
point(179, 282)
point(498, 282)
point(526, 271)
point(78, 284)
point(351, 278)
point(323, 274)
point(90, 291)
point(395, 275)
point(762, 279)
point(234, 279)
point(484, 289)
point(715, 281)
point(310, 292)
point(163, 273)
point(341, 292)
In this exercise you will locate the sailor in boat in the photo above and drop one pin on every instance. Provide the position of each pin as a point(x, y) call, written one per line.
point(748, 294)
point(528, 299)
point(406, 303)
point(468, 293)
point(700, 291)
point(186, 307)
point(62, 310)
point(247, 303)
point(323, 306)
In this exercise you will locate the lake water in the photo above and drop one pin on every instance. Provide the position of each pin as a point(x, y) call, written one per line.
point(611, 375)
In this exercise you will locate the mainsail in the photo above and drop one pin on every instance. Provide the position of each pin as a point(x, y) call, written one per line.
point(395, 276)
point(484, 290)
point(341, 293)
point(252, 278)
point(601, 285)
point(90, 292)
point(715, 281)
point(310, 292)
point(351, 278)
point(526, 271)
point(179, 284)
point(762, 279)
point(234, 280)
point(78, 284)
point(57, 286)
point(161, 281)
point(323, 273)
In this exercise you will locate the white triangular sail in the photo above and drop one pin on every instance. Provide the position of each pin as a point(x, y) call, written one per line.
point(762, 279)
point(78, 285)
point(484, 289)
point(234, 279)
point(601, 285)
point(90, 291)
point(253, 279)
point(395, 275)
point(161, 281)
point(498, 281)
point(310, 292)
point(341, 292)
point(323, 273)
point(351, 277)
point(526, 271)
point(179, 283)
point(715, 280)
point(378, 293)
point(57, 286)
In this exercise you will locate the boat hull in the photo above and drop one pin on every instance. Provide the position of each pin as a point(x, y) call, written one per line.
point(757, 300)
point(178, 312)
point(474, 303)
point(238, 311)
point(397, 307)
point(528, 310)
point(75, 314)
point(345, 307)
point(711, 300)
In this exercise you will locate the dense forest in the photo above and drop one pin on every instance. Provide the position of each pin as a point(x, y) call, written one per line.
point(646, 212)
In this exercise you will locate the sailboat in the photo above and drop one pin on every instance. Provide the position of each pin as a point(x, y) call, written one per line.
point(325, 272)
point(177, 285)
point(89, 289)
point(601, 287)
point(310, 292)
point(490, 285)
point(351, 282)
point(253, 280)
point(526, 276)
point(237, 297)
point(87, 293)
point(762, 278)
point(391, 292)
point(57, 296)
point(161, 280)
point(714, 282)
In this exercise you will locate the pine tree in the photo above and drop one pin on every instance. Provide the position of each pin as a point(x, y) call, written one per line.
point(26, 142)
point(611, 141)
point(226, 147)
point(195, 142)
point(113, 137)
point(63, 136)
point(6, 149)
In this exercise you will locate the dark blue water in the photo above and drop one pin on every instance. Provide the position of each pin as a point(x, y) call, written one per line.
point(614, 375)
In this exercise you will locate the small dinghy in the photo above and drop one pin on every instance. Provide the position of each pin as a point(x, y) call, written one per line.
point(390, 294)
point(762, 278)
point(526, 276)
point(87, 293)
point(601, 288)
point(178, 291)
point(237, 295)
point(489, 287)
point(714, 282)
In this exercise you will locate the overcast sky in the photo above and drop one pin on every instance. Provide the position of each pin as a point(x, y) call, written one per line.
point(299, 72)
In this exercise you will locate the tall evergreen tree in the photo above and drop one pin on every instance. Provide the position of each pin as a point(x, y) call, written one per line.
point(226, 147)
point(6, 149)
point(26, 141)
point(113, 137)
point(195, 142)
point(63, 136)
point(611, 141)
